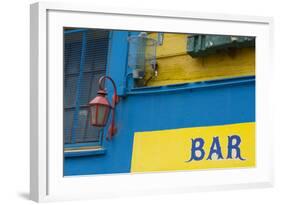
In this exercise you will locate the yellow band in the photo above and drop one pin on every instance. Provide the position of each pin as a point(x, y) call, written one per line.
point(172, 149)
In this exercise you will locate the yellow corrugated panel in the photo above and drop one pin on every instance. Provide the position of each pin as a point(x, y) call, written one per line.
point(174, 44)
point(176, 66)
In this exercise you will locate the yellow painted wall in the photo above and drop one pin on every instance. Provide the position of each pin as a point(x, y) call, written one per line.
point(176, 66)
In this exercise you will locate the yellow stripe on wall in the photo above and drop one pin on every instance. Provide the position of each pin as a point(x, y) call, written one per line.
point(168, 150)
point(176, 66)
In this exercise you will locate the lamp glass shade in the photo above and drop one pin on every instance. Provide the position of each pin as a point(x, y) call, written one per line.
point(99, 114)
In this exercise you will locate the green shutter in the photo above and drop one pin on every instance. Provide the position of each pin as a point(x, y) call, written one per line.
point(203, 45)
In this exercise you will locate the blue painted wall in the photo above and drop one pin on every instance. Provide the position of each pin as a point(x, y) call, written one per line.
point(224, 102)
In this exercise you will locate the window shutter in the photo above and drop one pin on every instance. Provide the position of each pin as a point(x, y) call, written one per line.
point(84, 63)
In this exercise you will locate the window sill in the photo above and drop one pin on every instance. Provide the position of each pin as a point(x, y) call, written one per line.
point(84, 151)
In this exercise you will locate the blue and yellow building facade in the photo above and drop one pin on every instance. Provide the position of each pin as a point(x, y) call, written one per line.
point(197, 113)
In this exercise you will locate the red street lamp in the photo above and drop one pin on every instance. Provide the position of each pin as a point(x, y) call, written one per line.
point(100, 107)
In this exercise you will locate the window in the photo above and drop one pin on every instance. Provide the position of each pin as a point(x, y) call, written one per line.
point(85, 60)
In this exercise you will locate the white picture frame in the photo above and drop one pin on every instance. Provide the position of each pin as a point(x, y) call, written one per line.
point(46, 168)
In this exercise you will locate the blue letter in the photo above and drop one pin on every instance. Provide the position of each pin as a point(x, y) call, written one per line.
point(198, 147)
point(217, 150)
point(235, 146)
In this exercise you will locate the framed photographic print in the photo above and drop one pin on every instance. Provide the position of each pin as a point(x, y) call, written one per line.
point(127, 102)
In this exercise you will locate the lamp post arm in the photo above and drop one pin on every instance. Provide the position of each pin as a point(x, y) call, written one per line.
point(112, 128)
point(101, 86)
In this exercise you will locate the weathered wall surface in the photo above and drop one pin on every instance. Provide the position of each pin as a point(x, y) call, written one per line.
point(176, 66)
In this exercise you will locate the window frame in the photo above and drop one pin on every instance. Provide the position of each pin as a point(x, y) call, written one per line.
point(49, 184)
